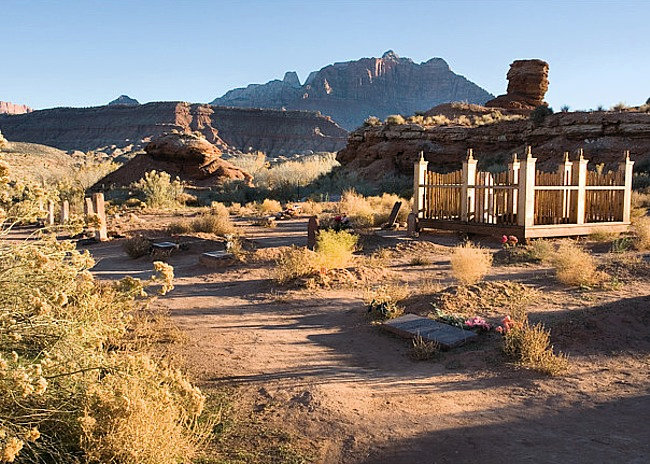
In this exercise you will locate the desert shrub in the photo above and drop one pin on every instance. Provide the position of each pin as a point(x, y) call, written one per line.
point(137, 246)
point(395, 119)
point(383, 301)
point(218, 224)
point(565, 108)
point(334, 250)
point(540, 250)
point(73, 384)
point(530, 345)
point(311, 208)
point(641, 229)
point(423, 350)
point(219, 209)
point(469, 263)
point(603, 235)
point(270, 206)
point(383, 205)
point(372, 121)
point(294, 263)
point(539, 114)
point(179, 227)
point(159, 190)
point(575, 266)
point(620, 107)
point(419, 261)
point(357, 208)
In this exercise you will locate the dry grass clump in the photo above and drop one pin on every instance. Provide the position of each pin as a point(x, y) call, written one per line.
point(270, 206)
point(137, 246)
point(334, 250)
point(160, 191)
point(541, 250)
point(423, 350)
point(395, 119)
point(383, 301)
point(217, 222)
point(470, 263)
point(574, 266)
point(311, 208)
point(641, 229)
point(603, 235)
point(531, 346)
point(365, 212)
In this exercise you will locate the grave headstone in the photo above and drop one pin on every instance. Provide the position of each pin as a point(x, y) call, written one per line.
point(312, 230)
point(410, 326)
point(412, 224)
point(393, 214)
point(217, 258)
point(50, 213)
point(88, 206)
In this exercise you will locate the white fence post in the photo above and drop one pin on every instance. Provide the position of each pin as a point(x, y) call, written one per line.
point(627, 167)
point(580, 177)
point(419, 180)
point(467, 191)
point(526, 196)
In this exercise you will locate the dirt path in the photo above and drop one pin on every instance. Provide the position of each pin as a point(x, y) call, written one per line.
point(313, 365)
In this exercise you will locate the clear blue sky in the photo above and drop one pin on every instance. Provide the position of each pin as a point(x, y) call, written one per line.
point(87, 52)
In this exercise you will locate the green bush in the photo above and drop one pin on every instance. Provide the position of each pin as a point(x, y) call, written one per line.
point(159, 190)
point(539, 114)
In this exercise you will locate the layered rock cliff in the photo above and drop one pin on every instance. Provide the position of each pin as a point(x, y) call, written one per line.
point(351, 91)
point(389, 148)
point(13, 108)
point(527, 85)
point(123, 126)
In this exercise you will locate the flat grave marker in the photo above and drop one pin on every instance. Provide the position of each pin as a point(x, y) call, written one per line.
point(216, 258)
point(410, 326)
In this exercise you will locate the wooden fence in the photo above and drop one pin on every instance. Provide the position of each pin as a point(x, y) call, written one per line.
point(523, 201)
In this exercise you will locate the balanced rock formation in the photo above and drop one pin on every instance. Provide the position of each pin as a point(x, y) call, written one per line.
point(13, 108)
point(124, 100)
point(129, 128)
point(374, 152)
point(527, 85)
point(189, 157)
point(351, 91)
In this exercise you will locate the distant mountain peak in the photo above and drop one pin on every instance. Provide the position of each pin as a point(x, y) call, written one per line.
point(13, 108)
point(124, 100)
point(350, 91)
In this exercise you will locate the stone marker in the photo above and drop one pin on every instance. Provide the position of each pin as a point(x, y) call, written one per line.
point(312, 230)
point(412, 224)
point(100, 210)
point(50, 213)
point(65, 212)
point(410, 325)
point(393, 214)
point(165, 246)
point(88, 206)
point(217, 259)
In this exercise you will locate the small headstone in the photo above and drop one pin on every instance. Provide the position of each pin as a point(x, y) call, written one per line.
point(312, 230)
point(217, 258)
point(167, 246)
point(410, 326)
point(65, 212)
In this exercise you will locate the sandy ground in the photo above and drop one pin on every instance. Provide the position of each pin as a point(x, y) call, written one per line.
point(311, 363)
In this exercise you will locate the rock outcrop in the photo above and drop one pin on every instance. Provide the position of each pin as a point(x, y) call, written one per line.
point(13, 108)
point(351, 91)
point(189, 157)
point(373, 152)
point(130, 127)
point(124, 100)
point(527, 85)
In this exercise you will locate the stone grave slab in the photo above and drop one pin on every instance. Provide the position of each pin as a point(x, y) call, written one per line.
point(167, 246)
point(410, 325)
point(217, 258)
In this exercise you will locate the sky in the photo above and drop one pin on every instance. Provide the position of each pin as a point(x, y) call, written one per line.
point(88, 52)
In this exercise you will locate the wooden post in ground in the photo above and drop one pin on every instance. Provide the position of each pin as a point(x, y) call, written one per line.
point(526, 200)
point(65, 212)
point(580, 179)
point(312, 231)
point(627, 167)
point(50, 213)
point(419, 191)
point(467, 190)
point(565, 170)
point(100, 210)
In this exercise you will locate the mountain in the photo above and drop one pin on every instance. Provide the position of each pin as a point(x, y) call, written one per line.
point(127, 128)
point(124, 100)
point(13, 108)
point(351, 91)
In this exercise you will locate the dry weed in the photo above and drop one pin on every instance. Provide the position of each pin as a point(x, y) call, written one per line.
point(137, 246)
point(641, 229)
point(469, 263)
point(574, 266)
point(423, 350)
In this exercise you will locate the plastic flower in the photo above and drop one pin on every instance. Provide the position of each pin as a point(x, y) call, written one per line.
point(512, 239)
point(504, 239)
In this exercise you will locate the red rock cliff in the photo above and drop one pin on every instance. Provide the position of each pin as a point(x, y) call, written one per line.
point(13, 108)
